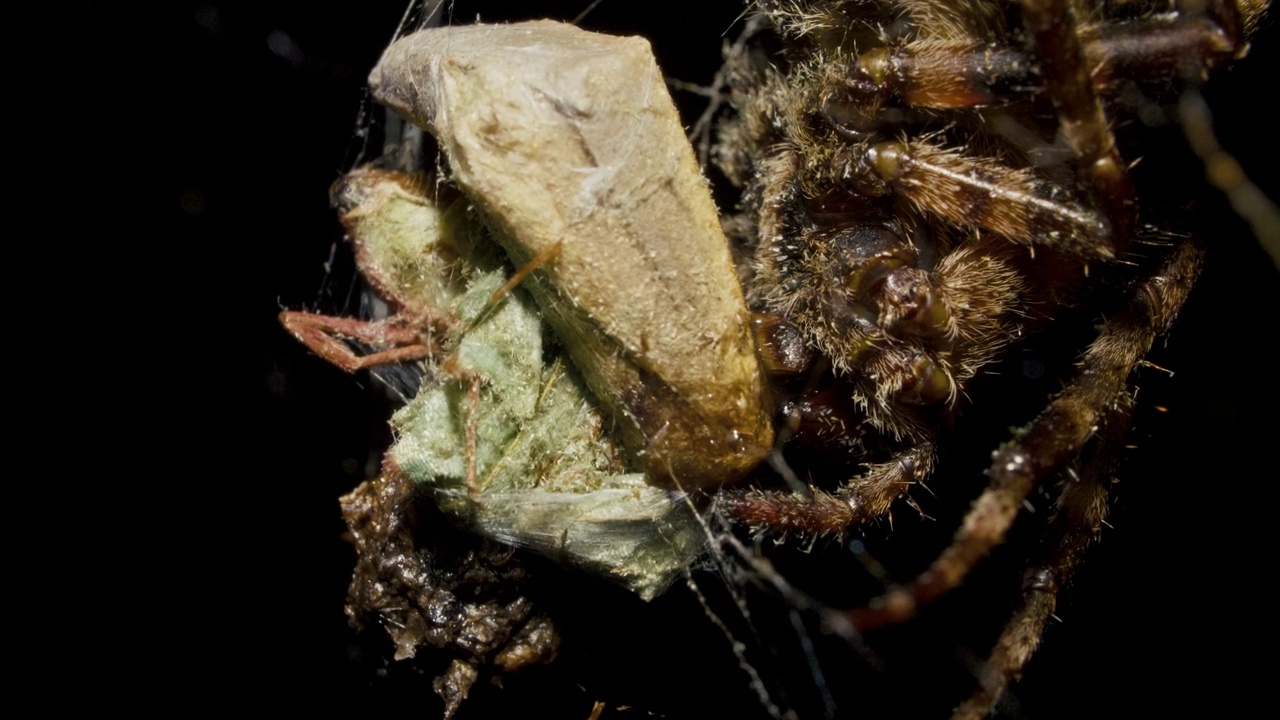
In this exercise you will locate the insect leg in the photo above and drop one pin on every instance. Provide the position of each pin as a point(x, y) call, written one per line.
point(323, 333)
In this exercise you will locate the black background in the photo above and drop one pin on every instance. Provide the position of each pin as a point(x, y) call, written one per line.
point(179, 540)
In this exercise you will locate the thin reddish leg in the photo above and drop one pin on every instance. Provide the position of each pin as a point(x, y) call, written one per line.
point(323, 333)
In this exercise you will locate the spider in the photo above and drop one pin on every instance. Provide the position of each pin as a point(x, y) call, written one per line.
point(908, 215)
point(927, 183)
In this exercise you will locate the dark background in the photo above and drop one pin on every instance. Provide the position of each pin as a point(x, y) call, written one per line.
point(178, 539)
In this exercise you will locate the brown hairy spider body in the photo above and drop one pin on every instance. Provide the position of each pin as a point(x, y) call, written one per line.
point(926, 184)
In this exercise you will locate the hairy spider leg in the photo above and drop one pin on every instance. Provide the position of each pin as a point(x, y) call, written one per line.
point(1082, 122)
point(952, 64)
point(954, 68)
point(969, 190)
point(1079, 65)
point(1079, 513)
point(864, 497)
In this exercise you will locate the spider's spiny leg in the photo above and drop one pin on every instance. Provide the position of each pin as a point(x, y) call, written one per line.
point(965, 72)
point(1067, 79)
point(973, 191)
point(1162, 48)
point(932, 74)
point(1078, 516)
point(871, 494)
point(321, 334)
point(865, 497)
point(1053, 438)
